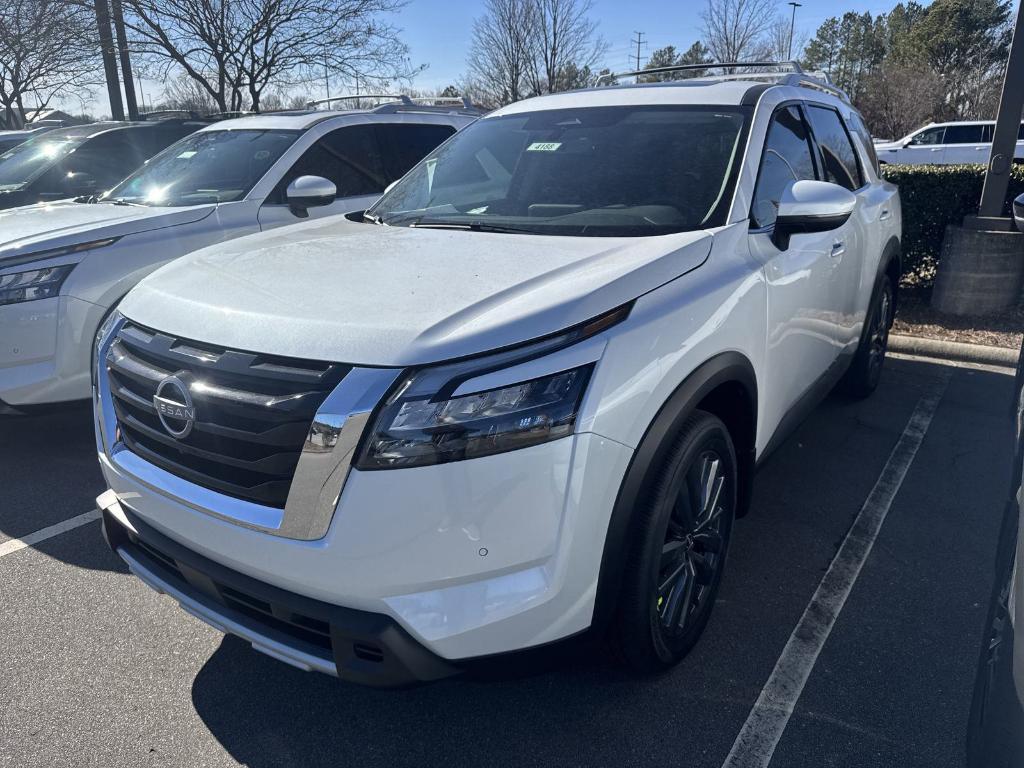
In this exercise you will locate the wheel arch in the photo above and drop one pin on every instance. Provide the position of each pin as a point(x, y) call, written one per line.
point(724, 385)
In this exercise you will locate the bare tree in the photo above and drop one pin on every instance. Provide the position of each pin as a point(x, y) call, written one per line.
point(186, 94)
point(47, 50)
point(735, 30)
point(566, 43)
point(778, 46)
point(237, 49)
point(502, 52)
point(898, 98)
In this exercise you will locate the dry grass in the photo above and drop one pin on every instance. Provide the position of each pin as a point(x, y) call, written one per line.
point(916, 318)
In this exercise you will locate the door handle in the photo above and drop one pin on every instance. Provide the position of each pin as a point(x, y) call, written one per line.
point(838, 248)
point(884, 215)
point(935, 149)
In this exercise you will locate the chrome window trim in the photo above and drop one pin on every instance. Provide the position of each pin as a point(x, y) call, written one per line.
point(319, 478)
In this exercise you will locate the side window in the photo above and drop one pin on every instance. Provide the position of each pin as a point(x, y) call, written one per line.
point(787, 158)
point(931, 136)
point(840, 159)
point(1020, 132)
point(857, 123)
point(108, 158)
point(405, 144)
point(963, 134)
point(986, 133)
point(349, 156)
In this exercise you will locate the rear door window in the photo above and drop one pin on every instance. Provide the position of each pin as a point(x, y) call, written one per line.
point(963, 134)
point(857, 124)
point(840, 159)
point(787, 158)
point(405, 144)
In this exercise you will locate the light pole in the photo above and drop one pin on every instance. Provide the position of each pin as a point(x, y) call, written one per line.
point(792, 23)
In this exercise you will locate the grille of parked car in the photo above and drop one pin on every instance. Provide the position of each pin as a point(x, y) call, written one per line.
point(252, 412)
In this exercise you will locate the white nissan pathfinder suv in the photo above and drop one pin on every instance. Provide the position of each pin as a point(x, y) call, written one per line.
point(65, 265)
point(522, 397)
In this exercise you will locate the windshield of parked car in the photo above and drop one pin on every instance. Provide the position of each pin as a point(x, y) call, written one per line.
point(205, 167)
point(23, 163)
point(595, 171)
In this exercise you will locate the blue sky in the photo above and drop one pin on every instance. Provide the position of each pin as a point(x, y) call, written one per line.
point(438, 34)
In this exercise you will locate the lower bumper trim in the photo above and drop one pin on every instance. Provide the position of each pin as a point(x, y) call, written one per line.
point(357, 646)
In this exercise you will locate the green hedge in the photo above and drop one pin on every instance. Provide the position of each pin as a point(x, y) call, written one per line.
point(934, 196)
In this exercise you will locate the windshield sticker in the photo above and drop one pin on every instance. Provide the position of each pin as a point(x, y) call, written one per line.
point(544, 146)
point(187, 154)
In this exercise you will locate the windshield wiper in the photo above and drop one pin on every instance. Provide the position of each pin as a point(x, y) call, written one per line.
point(372, 218)
point(122, 201)
point(472, 226)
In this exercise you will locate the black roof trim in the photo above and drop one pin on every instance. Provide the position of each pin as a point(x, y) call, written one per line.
point(754, 93)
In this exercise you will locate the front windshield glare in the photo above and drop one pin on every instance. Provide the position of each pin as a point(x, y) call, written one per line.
point(601, 171)
point(206, 167)
point(23, 163)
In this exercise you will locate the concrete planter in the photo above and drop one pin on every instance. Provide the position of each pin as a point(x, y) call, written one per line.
point(980, 272)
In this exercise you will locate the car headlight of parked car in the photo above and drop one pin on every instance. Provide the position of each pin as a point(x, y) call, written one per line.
point(42, 283)
point(425, 421)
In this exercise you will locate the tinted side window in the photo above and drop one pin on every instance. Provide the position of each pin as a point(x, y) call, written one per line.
point(857, 124)
point(787, 158)
point(986, 132)
point(350, 157)
point(405, 144)
point(108, 158)
point(963, 134)
point(840, 160)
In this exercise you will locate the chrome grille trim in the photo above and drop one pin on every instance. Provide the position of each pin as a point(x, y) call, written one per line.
point(324, 446)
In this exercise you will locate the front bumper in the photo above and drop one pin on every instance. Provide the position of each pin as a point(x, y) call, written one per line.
point(311, 635)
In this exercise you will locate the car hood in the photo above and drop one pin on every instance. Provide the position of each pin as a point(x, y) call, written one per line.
point(65, 223)
point(395, 296)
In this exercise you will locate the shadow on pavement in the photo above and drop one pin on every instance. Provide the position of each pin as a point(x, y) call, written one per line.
point(585, 713)
point(49, 473)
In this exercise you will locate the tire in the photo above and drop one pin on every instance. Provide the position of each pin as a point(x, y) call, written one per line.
point(866, 369)
point(678, 545)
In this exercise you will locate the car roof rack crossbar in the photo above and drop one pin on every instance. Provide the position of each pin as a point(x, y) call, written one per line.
point(785, 73)
point(393, 101)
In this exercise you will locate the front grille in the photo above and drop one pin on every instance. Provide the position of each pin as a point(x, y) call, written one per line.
point(252, 411)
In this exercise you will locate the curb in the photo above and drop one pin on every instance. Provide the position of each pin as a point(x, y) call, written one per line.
point(953, 350)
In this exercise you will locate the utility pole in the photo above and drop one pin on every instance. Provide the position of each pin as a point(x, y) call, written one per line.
point(109, 62)
point(792, 23)
point(126, 63)
point(639, 41)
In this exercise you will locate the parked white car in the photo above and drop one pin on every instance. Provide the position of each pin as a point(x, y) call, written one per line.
point(525, 397)
point(945, 144)
point(65, 265)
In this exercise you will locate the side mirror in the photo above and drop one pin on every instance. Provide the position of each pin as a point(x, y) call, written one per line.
point(309, 192)
point(1018, 212)
point(80, 183)
point(811, 206)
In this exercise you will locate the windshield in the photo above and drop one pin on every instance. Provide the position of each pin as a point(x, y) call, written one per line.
point(23, 163)
point(206, 167)
point(600, 171)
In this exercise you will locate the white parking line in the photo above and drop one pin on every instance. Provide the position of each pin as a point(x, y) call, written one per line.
point(14, 545)
point(760, 735)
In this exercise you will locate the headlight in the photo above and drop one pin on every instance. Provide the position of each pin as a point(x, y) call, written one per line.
point(35, 284)
point(11, 258)
point(425, 422)
point(414, 429)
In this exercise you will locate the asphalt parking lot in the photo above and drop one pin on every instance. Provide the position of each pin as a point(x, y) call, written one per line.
point(99, 670)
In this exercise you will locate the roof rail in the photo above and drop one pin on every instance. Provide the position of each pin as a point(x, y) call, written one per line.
point(785, 73)
point(404, 99)
point(359, 96)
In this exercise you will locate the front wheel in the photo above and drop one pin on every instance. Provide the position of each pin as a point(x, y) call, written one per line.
point(679, 540)
point(866, 369)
